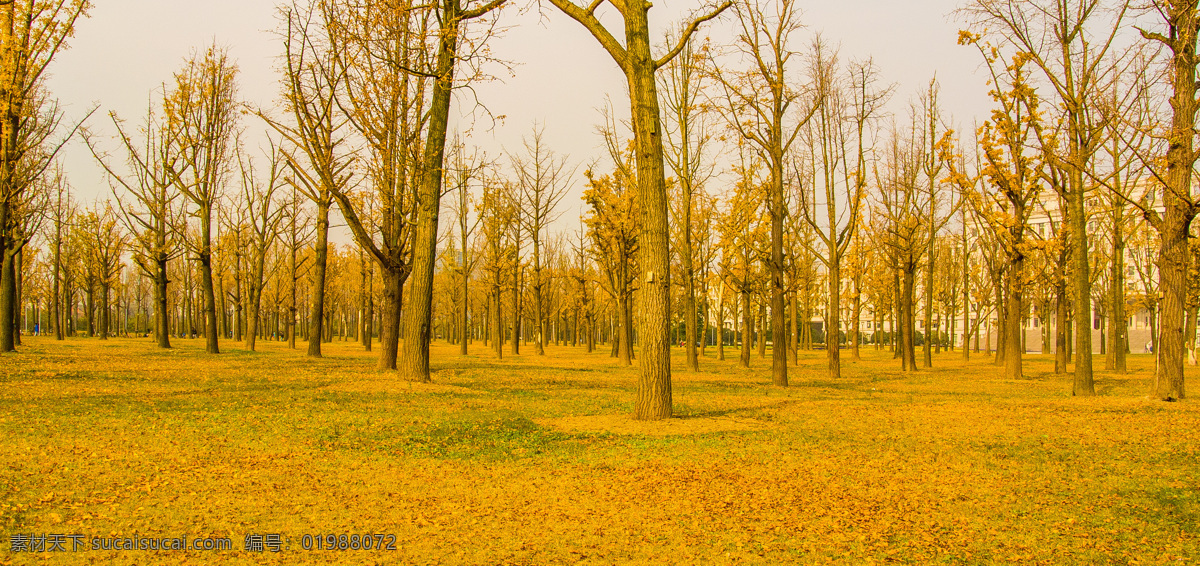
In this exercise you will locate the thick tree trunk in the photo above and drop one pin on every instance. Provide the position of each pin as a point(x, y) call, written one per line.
point(1174, 254)
point(389, 330)
point(417, 315)
point(654, 384)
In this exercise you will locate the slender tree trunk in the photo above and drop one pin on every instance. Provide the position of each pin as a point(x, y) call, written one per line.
point(369, 314)
point(1076, 218)
point(832, 338)
point(462, 349)
point(927, 344)
point(252, 314)
point(18, 301)
point(8, 274)
point(207, 289)
point(316, 330)
point(516, 310)
point(794, 331)
point(104, 314)
point(1118, 327)
point(56, 293)
point(747, 329)
point(8, 292)
point(498, 329)
point(538, 309)
point(908, 357)
point(1012, 320)
point(854, 350)
point(721, 327)
point(760, 337)
point(625, 329)
point(1060, 327)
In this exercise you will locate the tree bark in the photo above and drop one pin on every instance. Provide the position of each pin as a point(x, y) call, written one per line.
point(1174, 255)
point(1062, 304)
point(316, 330)
point(747, 329)
point(1012, 318)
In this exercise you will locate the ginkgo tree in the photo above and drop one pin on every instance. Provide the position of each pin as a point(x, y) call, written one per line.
point(1014, 167)
point(639, 66)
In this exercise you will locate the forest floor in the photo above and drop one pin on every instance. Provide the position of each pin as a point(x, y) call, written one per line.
point(534, 460)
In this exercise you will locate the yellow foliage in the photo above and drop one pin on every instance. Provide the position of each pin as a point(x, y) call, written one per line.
point(533, 460)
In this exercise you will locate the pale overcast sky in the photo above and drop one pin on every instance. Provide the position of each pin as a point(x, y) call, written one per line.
point(128, 48)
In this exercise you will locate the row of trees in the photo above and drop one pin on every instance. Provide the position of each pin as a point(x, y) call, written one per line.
point(833, 208)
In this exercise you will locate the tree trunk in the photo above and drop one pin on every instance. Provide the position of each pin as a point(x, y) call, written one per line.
point(516, 310)
point(832, 339)
point(389, 330)
point(625, 329)
point(316, 330)
point(538, 312)
point(8, 292)
point(721, 327)
point(369, 316)
point(1174, 255)
point(927, 344)
point(654, 384)
point(857, 328)
point(908, 354)
point(462, 347)
point(417, 315)
point(747, 329)
point(207, 288)
point(18, 298)
point(1012, 319)
point(1118, 327)
point(1060, 327)
point(498, 329)
point(104, 314)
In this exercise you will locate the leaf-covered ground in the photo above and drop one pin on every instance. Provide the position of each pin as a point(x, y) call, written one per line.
point(533, 460)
